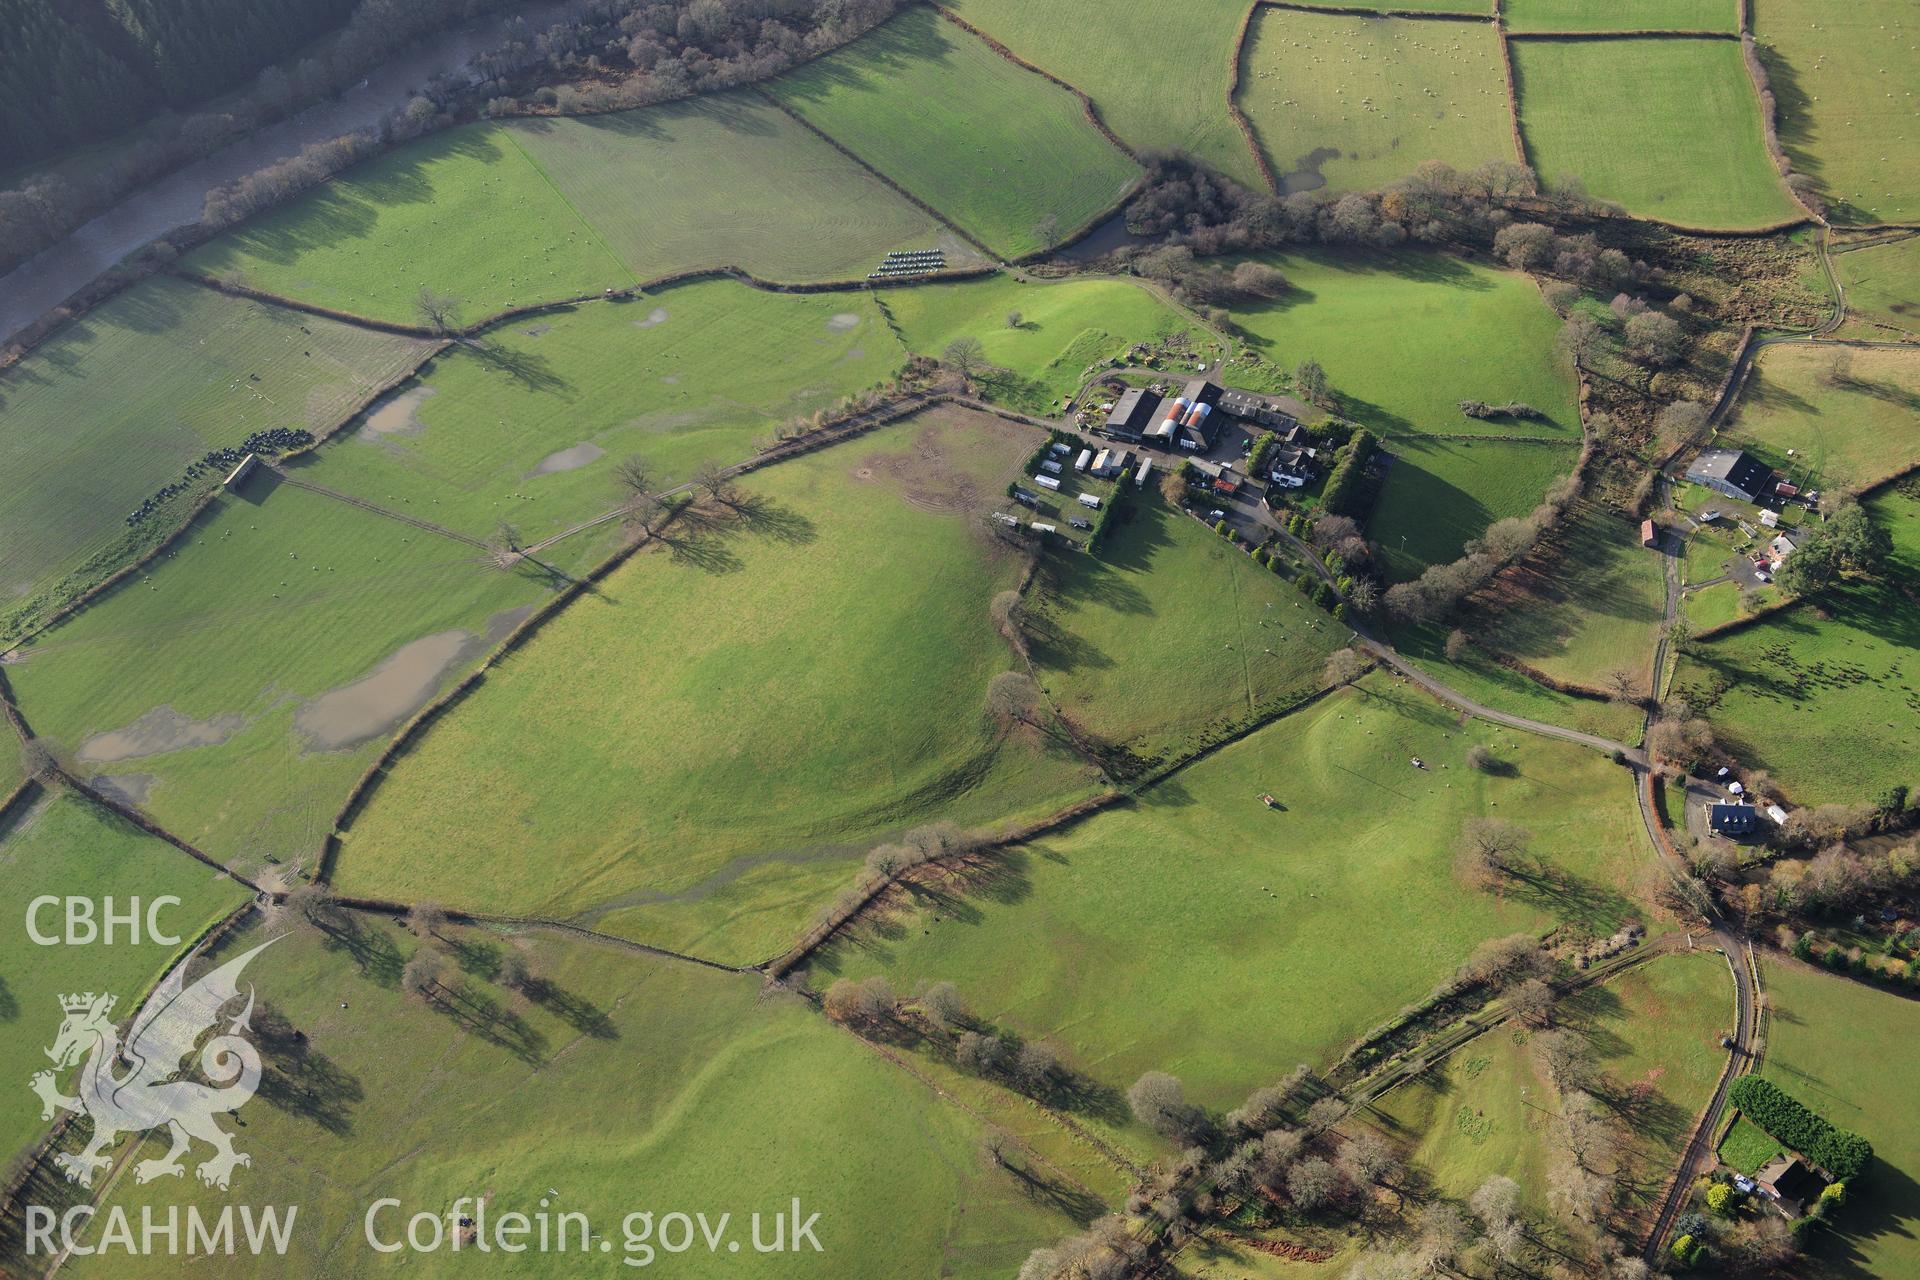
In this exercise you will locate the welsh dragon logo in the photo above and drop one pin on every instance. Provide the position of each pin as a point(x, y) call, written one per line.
point(133, 1087)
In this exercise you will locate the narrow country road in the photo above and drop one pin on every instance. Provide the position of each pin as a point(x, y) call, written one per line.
point(45, 280)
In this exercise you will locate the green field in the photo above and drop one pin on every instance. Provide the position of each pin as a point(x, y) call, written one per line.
point(1834, 420)
point(726, 180)
point(1068, 328)
point(1585, 604)
point(1842, 74)
point(64, 845)
point(463, 213)
point(1264, 937)
point(1172, 635)
point(1105, 50)
point(991, 145)
point(1440, 494)
point(1353, 103)
point(1898, 510)
point(701, 749)
point(1460, 8)
point(116, 405)
point(237, 688)
point(1747, 1148)
point(528, 428)
point(1479, 677)
point(1406, 337)
point(1883, 283)
point(1820, 696)
point(1835, 1044)
point(1487, 1110)
point(630, 1084)
point(1668, 128)
point(1619, 15)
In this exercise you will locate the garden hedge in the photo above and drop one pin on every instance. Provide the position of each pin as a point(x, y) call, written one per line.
point(1843, 1154)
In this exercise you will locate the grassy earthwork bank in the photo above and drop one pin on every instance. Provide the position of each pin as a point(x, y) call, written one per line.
point(504, 215)
point(1585, 604)
point(1157, 71)
point(704, 1095)
point(1353, 103)
point(1835, 1045)
point(237, 686)
point(1830, 418)
point(990, 144)
point(527, 427)
point(1668, 128)
point(1618, 15)
point(1488, 1108)
point(1171, 635)
point(62, 845)
point(698, 752)
point(1264, 936)
point(116, 405)
point(1842, 74)
point(1067, 329)
point(1883, 284)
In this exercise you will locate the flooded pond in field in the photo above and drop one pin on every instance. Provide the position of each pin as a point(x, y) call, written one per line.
point(398, 416)
point(127, 788)
point(843, 322)
point(159, 731)
point(569, 459)
point(404, 682)
point(656, 316)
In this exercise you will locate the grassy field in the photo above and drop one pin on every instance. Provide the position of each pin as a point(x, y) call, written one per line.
point(625, 1084)
point(1353, 103)
point(1883, 283)
point(1487, 1109)
point(1067, 328)
point(1850, 418)
point(63, 845)
point(1747, 1147)
point(1440, 494)
point(911, 100)
point(726, 180)
point(463, 212)
point(1832, 1044)
point(1841, 73)
point(1155, 103)
point(1821, 696)
point(1619, 15)
point(1668, 128)
point(702, 748)
point(528, 429)
point(1263, 937)
point(1898, 510)
point(1586, 604)
point(237, 687)
point(116, 405)
point(1405, 338)
point(1171, 635)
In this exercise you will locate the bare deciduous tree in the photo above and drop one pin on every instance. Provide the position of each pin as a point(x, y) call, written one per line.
point(426, 919)
point(437, 311)
point(420, 977)
point(1344, 666)
point(966, 356)
point(1012, 695)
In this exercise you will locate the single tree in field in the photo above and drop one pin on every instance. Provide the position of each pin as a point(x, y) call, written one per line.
point(1532, 1001)
point(420, 978)
point(503, 544)
point(426, 919)
point(1492, 847)
point(639, 507)
point(1310, 380)
point(714, 480)
point(1312, 1183)
point(1015, 319)
point(515, 973)
point(965, 355)
point(313, 904)
point(1344, 666)
point(1012, 695)
point(1047, 232)
point(437, 311)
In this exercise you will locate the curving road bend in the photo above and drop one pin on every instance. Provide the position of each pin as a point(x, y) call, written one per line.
point(48, 278)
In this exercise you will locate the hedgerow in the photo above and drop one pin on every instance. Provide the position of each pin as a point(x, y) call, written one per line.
point(1841, 1153)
